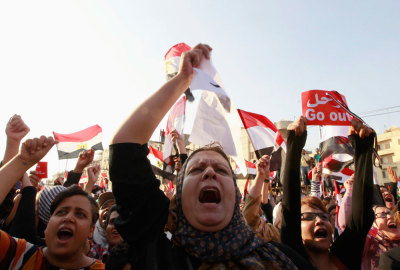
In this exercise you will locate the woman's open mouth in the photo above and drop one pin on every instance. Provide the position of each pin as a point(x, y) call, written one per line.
point(64, 234)
point(209, 195)
point(321, 233)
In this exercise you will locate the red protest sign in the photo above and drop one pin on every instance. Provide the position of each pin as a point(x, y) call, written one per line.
point(41, 168)
point(321, 109)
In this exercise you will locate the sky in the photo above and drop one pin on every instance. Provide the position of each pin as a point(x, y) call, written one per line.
point(67, 65)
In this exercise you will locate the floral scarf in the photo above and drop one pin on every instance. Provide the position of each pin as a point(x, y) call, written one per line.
point(234, 247)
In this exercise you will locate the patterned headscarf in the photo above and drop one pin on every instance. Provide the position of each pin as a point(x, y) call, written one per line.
point(47, 196)
point(235, 246)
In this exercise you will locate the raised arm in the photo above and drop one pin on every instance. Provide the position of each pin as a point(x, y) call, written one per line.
point(93, 174)
point(140, 125)
point(143, 215)
point(23, 225)
point(84, 159)
point(16, 130)
point(393, 183)
point(262, 174)
point(316, 181)
point(291, 209)
point(32, 151)
point(350, 244)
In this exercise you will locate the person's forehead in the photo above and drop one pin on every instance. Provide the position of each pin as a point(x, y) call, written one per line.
point(208, 157)
point(108, 204)
point(381, 209)
point(307, 208)
point(76, 201)
point(114, 214)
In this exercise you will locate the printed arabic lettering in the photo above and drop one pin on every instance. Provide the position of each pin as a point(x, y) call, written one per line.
point(322, 101)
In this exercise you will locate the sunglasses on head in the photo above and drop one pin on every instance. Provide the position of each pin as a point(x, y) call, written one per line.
point(312, 216)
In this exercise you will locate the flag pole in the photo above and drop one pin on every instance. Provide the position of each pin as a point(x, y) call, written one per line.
point(66, 163)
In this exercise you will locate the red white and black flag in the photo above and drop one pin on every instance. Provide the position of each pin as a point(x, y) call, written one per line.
point(172, 60)
point(336, 152)
point(70, 145)
point(176, 120)
point(265, 137)
point(156, 160)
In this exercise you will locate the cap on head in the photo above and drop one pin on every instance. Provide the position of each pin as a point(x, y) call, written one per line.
point(104, 197)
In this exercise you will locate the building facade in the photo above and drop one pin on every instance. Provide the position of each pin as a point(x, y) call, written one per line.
point(389, 151)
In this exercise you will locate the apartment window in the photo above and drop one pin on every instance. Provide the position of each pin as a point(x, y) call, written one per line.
point(384, 145)
point(387, 159)
point(384, 174)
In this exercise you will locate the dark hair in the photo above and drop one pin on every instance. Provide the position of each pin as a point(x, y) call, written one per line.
point(314, 202)
point(216, 147)
point(119, 256)
point(112, 209)
point(72, 191)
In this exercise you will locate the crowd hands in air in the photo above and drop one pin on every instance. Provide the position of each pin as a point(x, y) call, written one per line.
point(204, 222)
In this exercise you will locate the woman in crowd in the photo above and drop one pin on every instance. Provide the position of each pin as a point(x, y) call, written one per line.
point(73, 214)
point(112, 235)
point(208, 231)
point(384, 236)
point(306, 226)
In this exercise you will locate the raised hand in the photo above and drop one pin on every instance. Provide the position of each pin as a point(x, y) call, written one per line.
point(34, 178)
point(359, 128)
point(317, 172)
point(33, 150)
point(192, 59)
point(263, 167)
point(93, 173)
point(25, 181)
point(348, 184)
point(16, 129)
point(298, 126)
point(84, 159)
point(169, 192)
point(177, 138)
point(392, 174)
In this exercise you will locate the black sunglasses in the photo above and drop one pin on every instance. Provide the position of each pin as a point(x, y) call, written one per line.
point(312, 216)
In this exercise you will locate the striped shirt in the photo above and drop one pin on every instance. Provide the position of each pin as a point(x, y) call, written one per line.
point(19, 254)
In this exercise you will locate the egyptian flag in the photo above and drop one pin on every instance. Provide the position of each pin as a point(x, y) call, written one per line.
point(340, 177)
point(265, 137)
point(176, 120)
point(156, 159)
point(70, 145)
point(336, 151)
point(251, 170)
point(172, 62)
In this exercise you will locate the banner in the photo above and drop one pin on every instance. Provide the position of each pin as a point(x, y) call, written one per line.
point(41, 168)
point(320, 108)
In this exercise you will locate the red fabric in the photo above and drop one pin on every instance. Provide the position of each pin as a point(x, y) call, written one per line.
point(177, 50)
point(170, 185)
point(80, 136)
point(322, 110)
point(250, 119)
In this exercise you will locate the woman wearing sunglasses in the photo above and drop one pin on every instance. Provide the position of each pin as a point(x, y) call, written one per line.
point(306, 226)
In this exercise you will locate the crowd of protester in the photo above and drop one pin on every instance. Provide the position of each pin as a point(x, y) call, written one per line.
point(204, 222)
